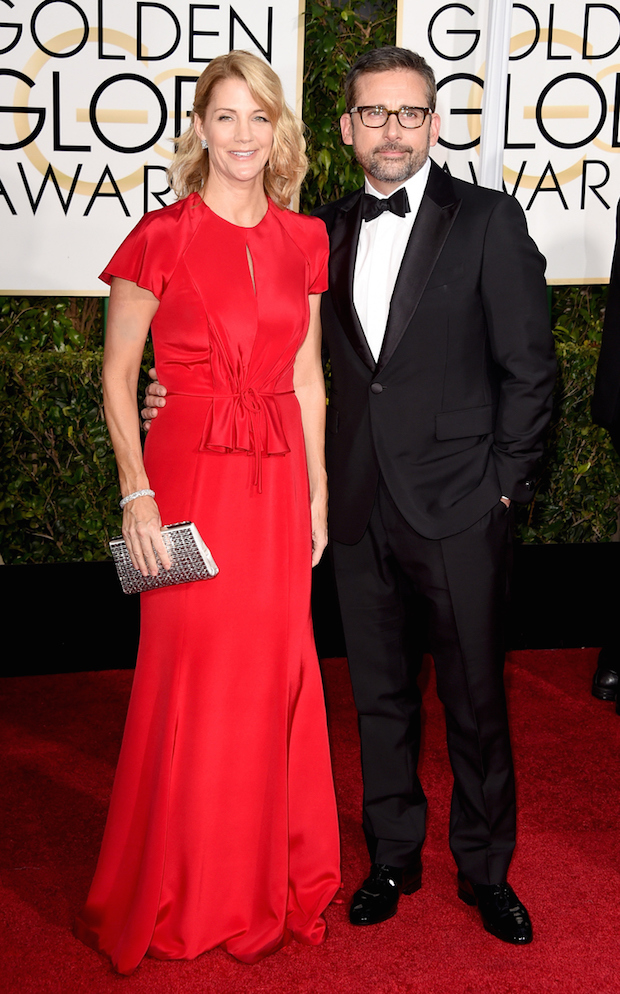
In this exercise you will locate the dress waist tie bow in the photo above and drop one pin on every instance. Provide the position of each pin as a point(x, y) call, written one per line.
point(246, 421)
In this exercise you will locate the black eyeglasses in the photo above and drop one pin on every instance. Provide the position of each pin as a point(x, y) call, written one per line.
point(378, 116)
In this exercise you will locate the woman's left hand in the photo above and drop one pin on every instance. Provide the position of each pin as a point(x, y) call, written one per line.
point(318, 508)
point(309, 386)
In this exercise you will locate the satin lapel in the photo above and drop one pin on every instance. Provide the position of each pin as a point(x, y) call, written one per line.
point(436, 216)
point(342, 251)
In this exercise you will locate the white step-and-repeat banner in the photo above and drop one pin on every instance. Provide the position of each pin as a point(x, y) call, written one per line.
point(562, 135)
point(91, 92)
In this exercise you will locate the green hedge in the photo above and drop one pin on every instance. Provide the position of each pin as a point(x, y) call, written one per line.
point(57, 474)
point(336, 34)
point(58, 485)
point(58, 481)
point(577, 499)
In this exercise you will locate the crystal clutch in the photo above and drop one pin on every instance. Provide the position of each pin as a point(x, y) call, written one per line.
point(191, 560)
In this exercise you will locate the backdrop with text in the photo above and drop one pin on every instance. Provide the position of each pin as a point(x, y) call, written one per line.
point(91, 92)
point(562, 132)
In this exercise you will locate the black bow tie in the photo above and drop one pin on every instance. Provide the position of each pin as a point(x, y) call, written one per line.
point(398, 203)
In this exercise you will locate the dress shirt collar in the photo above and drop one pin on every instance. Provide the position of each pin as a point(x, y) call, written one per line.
point(415, 186)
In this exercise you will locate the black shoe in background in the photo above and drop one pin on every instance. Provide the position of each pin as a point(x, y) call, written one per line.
point(605, 681)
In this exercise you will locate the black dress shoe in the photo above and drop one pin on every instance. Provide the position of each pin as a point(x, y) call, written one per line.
point(605, 684)
point(605, 681)
point(501, 911)
point(377, 898)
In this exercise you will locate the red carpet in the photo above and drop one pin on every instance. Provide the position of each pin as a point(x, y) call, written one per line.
point(61, 736)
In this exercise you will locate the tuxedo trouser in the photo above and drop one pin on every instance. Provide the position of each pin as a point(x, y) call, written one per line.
point(463, 579)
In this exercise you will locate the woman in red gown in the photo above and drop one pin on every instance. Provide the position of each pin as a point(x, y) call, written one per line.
point(222, 829)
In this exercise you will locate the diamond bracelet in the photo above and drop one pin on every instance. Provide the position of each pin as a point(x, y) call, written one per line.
point(138, 493)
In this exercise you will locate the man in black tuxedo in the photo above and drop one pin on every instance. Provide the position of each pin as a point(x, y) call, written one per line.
point(442, 364)
point(606, 412)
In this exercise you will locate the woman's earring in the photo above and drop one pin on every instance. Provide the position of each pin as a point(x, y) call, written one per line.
point(204, 143)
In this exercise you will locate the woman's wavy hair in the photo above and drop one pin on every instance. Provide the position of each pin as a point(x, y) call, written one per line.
point(287, 163)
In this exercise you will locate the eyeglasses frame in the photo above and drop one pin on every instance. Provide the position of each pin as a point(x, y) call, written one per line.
point(358, 110)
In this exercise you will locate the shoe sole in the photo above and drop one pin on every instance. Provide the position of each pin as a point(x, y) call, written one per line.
point(511, 942)
point(603, 694)
point(374, 922)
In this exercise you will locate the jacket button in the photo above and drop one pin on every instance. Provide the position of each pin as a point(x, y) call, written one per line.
point(376, 388)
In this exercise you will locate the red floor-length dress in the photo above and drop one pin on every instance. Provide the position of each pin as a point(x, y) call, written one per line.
point(222, 829)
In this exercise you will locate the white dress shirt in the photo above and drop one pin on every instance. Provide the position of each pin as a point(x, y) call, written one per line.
point(380, 249)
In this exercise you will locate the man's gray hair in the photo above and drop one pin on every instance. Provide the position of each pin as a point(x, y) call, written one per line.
point(384, 60)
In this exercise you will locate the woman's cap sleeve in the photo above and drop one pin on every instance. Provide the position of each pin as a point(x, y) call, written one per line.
point(319, 258)
point(145, 257)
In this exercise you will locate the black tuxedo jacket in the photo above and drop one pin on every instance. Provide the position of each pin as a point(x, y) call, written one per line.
point(606, 398)
point(453, 413)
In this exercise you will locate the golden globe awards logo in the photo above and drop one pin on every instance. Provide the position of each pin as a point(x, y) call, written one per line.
point(569, 112)
point(58, 116)
point(562, 133)
point(92, 92)
point(563, 99)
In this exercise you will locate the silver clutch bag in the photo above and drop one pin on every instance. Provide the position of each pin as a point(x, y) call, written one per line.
point(191, 560)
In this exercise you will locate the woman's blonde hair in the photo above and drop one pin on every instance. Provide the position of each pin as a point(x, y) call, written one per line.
point(287, 163)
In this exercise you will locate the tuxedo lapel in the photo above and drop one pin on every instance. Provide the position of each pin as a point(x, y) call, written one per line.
point(436, 216)
point(343, 249)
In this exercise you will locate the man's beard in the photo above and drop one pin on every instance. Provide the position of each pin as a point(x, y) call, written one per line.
point(393, 170)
